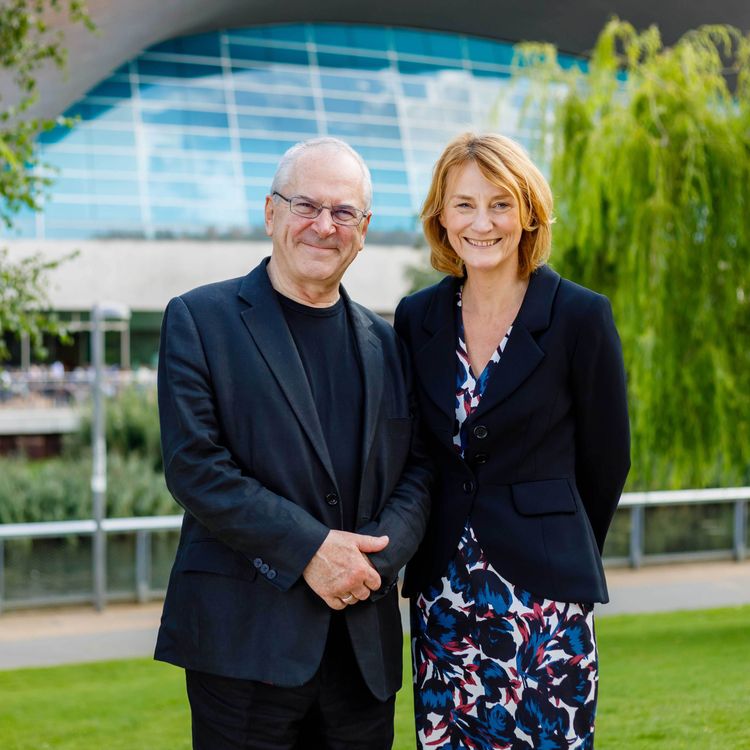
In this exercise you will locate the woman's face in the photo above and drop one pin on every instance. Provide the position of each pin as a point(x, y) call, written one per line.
point(482, 220)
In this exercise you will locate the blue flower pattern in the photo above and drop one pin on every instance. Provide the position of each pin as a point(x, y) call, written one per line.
point(496, 666)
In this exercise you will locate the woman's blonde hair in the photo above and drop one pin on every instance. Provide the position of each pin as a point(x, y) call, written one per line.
point(506, 164)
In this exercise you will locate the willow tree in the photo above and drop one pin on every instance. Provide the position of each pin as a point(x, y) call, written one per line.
point(648, 151)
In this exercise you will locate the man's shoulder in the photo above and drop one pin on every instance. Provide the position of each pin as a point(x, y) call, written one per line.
point(217, 291)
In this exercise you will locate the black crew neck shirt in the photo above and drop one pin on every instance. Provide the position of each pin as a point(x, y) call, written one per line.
point(325, 341)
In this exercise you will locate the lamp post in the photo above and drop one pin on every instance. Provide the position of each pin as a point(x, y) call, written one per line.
point(99, 313)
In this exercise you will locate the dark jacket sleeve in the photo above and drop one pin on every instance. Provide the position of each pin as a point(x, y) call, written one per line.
point(601, 416)
point(201, 472)
point(404, 516)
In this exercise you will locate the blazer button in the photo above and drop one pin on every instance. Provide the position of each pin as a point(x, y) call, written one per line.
point(481, 458)
point(481, 432)
point(271, 574)
point(257, 562)
point(264, 568)
point(332, 498)
point(468, 487)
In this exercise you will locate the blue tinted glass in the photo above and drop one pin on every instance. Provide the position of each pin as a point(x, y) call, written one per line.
point(568, 61)
point(202, 215)
point(381, 153)
point(157, 138)
point(490, 73)
point(187, 165)
point(389, 176)
point(485, 51)
point(415, 90)
point(163, 68)
point(87, 161)
point(256, 193)
point(275, 100)
point(265, 145)
point(355, 62)
point(359, 83)
point(112, 89)
point(168, 191)
point(283, 33)
point(116, 212)
point(387, 198)
point(357, 37)
point(123, 70)
point(272, 78)
point(189, 117)
point(95, 187)
point(278, 124)
point(363, 107)
point(207, 45)
point(385, 222)
point(164, 92)
point(412, 67)
point(259, 169)
point(258, 53)
point(363, 130)
point(107, 113)
point(430, 44)
point(83, 136)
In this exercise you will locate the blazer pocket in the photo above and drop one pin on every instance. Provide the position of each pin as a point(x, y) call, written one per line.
point(543, 497)
point(211, 556)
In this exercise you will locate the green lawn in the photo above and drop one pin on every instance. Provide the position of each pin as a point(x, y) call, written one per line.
point(669, 682)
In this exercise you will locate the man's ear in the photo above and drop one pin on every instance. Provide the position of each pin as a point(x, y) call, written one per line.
point(268, 214)
point(364, 226)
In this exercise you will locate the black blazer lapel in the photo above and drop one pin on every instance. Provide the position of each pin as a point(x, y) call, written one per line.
point(264, 320)
point(522, 354)
point(371, 358)
point(435, 360)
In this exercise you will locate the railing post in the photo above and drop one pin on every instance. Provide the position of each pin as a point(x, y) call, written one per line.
point(637, 518)
point(740, 530)
point(143, 565)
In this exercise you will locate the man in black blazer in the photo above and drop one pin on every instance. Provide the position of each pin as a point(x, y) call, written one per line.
point(288, 437)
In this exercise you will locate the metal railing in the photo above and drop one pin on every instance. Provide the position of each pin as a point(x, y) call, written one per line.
point(636, 503)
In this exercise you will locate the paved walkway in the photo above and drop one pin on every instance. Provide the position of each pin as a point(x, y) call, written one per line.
point(73, 635)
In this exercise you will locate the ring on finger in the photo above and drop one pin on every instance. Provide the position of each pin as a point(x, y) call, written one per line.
point(349, 599)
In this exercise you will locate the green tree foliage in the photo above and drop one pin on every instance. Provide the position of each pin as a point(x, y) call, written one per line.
point(649, 157)
point(28, 41)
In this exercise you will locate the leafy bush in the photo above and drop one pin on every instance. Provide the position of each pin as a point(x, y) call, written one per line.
point(58, 489)
point(132, 427)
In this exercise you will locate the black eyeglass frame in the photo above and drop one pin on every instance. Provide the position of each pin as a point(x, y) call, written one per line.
point(362, 214)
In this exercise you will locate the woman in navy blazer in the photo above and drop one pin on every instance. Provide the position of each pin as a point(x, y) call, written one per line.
point(522, 395)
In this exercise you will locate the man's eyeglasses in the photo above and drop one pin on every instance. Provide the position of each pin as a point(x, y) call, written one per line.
point(345, 216)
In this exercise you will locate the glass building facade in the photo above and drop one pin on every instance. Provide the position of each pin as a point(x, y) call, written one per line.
point(183, 140)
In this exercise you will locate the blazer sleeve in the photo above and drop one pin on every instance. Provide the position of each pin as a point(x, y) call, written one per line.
point(201, 472)
point(602, 428)
point(404, 516)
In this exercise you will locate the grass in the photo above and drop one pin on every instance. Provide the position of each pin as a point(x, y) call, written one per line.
point(672, 681)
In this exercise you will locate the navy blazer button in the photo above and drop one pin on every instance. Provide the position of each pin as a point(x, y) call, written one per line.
point(271, 574)
point(481, 458)
point(332, 498)
point(481, 432)
point(264, 568)
point(468, 487)
point(257, 562)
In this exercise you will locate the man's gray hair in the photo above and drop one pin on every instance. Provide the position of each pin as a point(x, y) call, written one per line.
point(289, 159)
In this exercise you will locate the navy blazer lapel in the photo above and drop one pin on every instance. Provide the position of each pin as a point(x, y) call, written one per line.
point(436, 360)
point(265, 321)
point(522, 354)
point(371, 357)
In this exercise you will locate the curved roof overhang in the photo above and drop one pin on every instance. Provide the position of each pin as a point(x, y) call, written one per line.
point(126, 27)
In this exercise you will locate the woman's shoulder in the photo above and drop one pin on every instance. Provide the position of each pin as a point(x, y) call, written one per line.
point(424, 297)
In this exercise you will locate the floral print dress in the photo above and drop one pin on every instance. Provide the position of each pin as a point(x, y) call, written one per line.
point(496, 666)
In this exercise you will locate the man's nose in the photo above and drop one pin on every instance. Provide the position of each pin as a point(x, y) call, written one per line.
point(323, 223)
